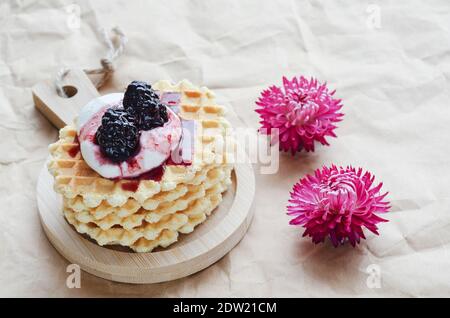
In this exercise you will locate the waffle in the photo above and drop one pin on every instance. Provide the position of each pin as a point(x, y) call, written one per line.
point(146, 214)
point(73, 177)
point(130, 216)
point(168, 237)
point(146, 236)
point(78, 203)
point(195, 102)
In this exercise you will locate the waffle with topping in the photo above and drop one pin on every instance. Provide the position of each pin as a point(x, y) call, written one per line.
point(73, 177)
point(145, 214)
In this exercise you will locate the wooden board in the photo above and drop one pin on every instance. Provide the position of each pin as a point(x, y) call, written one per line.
point(62, 110)
point(209, 242)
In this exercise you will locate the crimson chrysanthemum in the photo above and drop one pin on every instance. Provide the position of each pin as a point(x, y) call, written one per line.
point(337, 202)
point(305, 112)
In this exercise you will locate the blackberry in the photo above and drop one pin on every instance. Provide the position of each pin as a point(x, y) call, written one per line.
point(153, 117)
point(137, 94)
point(118, 135)
point(141, 101)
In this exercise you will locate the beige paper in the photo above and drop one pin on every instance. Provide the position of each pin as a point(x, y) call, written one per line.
point(389, 63)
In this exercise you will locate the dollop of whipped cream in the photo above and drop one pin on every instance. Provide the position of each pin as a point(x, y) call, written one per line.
point(155, 145)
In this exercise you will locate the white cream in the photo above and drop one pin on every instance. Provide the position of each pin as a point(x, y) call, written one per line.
point(94, 106)
point(156, 145)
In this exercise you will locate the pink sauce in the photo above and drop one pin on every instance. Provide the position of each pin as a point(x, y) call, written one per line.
point(74, 150)
point(87, 132)
point(154, 175)
point(131, 186)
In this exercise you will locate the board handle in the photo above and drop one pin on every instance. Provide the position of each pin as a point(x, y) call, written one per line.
point(59, 110)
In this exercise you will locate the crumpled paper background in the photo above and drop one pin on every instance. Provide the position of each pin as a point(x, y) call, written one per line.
point(388, 60)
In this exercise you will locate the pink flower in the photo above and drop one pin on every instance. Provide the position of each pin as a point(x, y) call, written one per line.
point(304, 113)
point(337, 202)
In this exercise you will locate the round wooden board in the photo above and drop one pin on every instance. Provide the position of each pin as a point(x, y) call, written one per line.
point(209, 242)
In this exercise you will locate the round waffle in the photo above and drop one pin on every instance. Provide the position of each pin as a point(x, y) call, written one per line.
point(144, 214)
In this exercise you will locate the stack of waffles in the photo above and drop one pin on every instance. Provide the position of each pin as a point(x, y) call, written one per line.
point(147, 213)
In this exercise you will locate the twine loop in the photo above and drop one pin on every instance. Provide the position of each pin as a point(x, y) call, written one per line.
point(115, 49)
